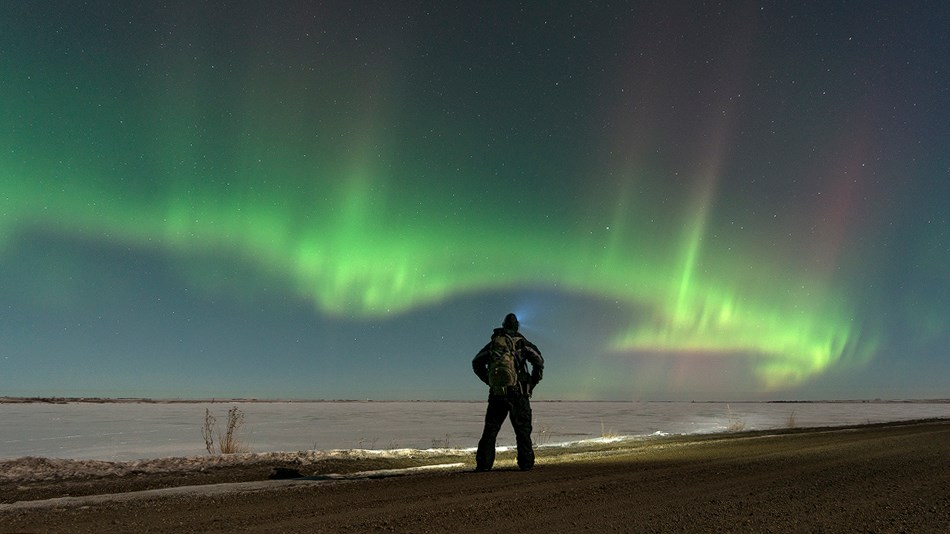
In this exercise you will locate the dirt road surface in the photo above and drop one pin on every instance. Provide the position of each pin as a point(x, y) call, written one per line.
point(876, 478)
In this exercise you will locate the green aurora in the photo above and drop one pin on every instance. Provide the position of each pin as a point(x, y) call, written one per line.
point(355, 244)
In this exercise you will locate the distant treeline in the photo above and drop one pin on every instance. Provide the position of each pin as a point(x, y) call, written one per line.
point(121, 400)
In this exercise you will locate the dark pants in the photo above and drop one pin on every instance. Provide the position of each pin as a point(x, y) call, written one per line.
point(518, 407)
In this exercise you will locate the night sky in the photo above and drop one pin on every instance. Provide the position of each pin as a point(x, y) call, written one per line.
point(681, 200)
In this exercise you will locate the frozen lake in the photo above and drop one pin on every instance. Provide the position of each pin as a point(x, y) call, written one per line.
point(131, 431)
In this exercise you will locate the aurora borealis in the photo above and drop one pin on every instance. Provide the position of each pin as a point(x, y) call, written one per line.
point(337, 200)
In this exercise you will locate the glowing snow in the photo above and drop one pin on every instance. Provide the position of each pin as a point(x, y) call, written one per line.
point(124, 432)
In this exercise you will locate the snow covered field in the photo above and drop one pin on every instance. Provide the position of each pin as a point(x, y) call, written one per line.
point(131, 431)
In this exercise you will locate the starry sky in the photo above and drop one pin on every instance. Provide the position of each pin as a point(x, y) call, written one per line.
point(328, 200)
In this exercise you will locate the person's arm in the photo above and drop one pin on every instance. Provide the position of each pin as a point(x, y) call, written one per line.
point(533, 355)
point(480, 363)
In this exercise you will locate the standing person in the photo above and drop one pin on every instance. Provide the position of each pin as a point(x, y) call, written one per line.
point(502, 364)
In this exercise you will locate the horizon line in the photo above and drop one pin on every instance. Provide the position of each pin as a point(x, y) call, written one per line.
point(40, 399)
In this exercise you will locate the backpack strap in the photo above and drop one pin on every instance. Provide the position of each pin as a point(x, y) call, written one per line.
point(521, 363)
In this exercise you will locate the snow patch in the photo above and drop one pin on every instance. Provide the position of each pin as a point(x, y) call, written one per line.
point(32, 469)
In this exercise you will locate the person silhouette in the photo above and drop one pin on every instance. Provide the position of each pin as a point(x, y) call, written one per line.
point(502, 365)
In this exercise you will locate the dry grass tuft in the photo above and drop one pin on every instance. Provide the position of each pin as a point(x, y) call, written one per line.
point(607, 433)
point(542, 435)
point(736, 423)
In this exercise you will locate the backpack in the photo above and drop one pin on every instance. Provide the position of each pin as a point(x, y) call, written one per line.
point(503, 365)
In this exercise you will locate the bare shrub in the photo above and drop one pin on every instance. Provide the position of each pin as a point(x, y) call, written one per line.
point(207, 431)
point(791, 422)
point(229, 443)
